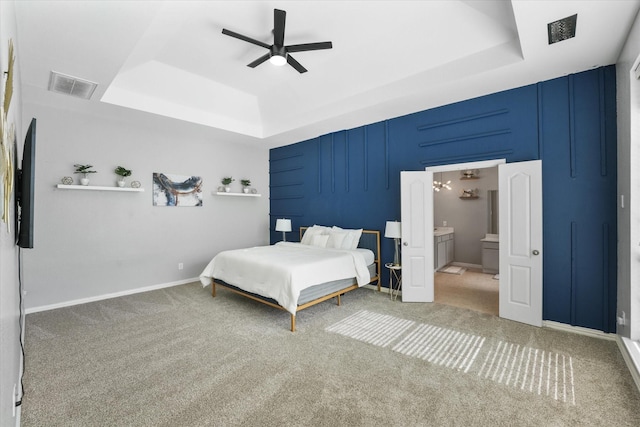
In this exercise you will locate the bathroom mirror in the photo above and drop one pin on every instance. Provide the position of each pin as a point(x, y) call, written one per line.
point(493, 210)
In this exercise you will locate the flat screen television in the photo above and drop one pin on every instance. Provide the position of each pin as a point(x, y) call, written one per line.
point(25, 189)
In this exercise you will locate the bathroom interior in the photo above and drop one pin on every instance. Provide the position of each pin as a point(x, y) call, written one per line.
point(466, 234)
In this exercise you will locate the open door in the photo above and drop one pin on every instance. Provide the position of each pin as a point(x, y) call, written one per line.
point(416, 205)
point(520, 186)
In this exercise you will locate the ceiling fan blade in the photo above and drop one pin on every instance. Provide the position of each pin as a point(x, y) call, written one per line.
point(279, 17)
point(245, 38)
point(309, 46)
point(295, 64)
point(260, 60)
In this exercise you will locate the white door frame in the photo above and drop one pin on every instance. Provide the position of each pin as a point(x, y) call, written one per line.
point(471, 165)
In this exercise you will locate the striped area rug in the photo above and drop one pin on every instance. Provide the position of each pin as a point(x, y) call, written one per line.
point(523, 368)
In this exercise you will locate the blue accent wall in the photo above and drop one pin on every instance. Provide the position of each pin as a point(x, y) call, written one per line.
point(351, 178)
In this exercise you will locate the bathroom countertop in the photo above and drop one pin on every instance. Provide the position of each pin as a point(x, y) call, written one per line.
point(441, 231)
point(491, 238)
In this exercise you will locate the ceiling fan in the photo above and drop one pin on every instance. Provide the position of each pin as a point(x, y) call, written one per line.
point(279, 54)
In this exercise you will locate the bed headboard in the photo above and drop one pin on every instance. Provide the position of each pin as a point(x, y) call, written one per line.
point(370, 239)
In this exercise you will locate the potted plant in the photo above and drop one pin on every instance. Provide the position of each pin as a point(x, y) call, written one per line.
point(226, 181)
point(122, 174)
point(246, 183)
point(84, 170)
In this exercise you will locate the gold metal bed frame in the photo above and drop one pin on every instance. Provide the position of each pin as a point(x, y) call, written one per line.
point(373, 234)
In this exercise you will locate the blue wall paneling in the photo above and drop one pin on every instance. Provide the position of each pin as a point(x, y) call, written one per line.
point(351, 178)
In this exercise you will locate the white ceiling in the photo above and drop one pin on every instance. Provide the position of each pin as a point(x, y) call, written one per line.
point(389, 58)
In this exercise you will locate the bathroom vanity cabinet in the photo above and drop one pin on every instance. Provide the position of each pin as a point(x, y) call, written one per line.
point(443, 250)
point(490, 254)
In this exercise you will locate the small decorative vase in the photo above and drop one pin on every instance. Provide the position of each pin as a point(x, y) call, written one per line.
point(245, 190)
point(121, 183)
point(227, 189)
point(84, 181)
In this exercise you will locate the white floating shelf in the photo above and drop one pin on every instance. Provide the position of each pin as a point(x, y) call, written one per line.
point(98, 188)
point(224, 193)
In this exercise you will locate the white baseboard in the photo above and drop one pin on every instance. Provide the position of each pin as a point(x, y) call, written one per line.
point(630, 351)
point(578, 330)
point(108, 296)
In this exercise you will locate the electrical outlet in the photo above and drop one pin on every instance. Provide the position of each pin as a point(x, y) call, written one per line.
point(444, 223)
point(180, 266)
point(622, 319)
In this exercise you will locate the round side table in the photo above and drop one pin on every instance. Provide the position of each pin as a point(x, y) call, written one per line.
point(395, 279)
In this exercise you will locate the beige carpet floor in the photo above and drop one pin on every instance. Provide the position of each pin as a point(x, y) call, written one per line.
point(472, 290)
point(177, 357)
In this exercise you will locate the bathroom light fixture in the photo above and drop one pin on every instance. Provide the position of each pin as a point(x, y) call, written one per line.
point(439, 185)
point(283, 225)
point(393, 230)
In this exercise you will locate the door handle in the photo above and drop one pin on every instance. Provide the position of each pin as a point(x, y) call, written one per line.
point(405, 244)
point(536, 252)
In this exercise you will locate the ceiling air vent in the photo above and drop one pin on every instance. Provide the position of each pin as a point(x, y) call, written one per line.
point(562, 29)
point(70, 85)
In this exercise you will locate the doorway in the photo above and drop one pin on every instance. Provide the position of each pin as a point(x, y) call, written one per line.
point(466, 246)
point(520, 240)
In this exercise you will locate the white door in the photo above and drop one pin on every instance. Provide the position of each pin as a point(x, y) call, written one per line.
point(416, 206)
point(520, 186)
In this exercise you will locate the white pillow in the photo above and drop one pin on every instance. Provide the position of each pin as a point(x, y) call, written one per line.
point(306, 237)
point(355, 238)
point(352, 239)
point(336, 239)
point(320, 240)
point(312, 231)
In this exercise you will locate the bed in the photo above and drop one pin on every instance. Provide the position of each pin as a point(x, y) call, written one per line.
point(327, 263)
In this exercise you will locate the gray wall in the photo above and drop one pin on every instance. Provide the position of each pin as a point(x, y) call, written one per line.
point(468, 217)
point(628, 107)
point(9, 295)
point(92, 244)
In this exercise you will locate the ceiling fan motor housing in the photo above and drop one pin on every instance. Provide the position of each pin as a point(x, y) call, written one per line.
point(279, 51)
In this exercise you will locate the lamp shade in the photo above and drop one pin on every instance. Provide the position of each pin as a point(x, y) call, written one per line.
point(393, 230)
point(283, 225)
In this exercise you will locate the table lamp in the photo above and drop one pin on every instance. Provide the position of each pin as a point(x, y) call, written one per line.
point(283, 225)
point(393, 230)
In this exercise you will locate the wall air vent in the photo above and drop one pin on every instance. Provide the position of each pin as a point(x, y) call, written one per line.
point(70, 85)
point(562, 29)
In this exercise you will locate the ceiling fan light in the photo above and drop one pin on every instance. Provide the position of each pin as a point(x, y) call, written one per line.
point(278, 60)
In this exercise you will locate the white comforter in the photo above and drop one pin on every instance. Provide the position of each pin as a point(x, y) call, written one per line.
point(283, 270)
